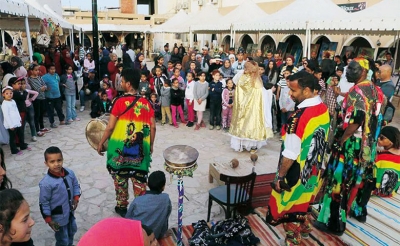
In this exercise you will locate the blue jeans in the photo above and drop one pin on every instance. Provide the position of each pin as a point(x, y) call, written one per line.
point(65, 234)
point(30, 119)
point(70, 101)
point(83, 97)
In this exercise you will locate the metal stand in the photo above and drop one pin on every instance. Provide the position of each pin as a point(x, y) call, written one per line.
point(181, 193)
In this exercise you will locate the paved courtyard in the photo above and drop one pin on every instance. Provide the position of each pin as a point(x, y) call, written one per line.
point(98, 196)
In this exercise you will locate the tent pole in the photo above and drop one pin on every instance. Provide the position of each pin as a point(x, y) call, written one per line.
point(72, 39)
point(230, 44)
point(83, 39)
point(28, 36)
point(3, 42)
point(397, 49)
point(234, 37)
point(190, 38)
point(306, 41)
point(309, 44)
point(145, 46)
point(163, 41)
point(80, 36)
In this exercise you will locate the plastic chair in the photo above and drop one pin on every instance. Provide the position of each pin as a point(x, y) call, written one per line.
point(236, 194)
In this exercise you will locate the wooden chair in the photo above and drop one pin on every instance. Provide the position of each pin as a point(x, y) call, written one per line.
point(236, 194)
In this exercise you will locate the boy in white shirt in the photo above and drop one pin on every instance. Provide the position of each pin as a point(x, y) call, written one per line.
point(12, 121)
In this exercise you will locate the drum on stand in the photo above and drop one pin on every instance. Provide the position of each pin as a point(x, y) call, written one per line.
point(180, 160)
point(95, 130)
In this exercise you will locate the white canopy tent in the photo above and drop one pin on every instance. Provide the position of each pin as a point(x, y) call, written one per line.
point(171, 25)
point(14, 7)
point(238, 15)
point(381, 17)
point(115, 28)
point(296, 16)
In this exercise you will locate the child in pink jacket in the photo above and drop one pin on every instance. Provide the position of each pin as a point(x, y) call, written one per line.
point(228, 95)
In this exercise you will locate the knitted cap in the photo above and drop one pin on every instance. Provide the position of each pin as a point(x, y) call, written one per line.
point(390, 133)
point(114, 231)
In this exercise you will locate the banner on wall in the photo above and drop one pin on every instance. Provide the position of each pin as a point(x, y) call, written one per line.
point(353, 7)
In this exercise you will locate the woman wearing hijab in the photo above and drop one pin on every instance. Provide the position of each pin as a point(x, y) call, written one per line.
point(193, 59)
point(140, 64)
point(54, 57)
point(18, 67)
point(127, 61)
point(7, 72)
point(112, 68)
point(226, 70)
point(104, 63)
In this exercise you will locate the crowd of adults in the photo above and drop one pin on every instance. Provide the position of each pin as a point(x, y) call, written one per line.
point(337, 108)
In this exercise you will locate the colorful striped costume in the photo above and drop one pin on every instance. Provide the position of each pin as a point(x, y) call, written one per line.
point(311, 126)
point(350, 166)
point(387, 174)
point(128, 153)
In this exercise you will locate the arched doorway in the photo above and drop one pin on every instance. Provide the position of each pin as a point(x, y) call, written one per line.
point(109, 39)
point(267, 44)
point(226, 43)
point(294, 48)
point(86, 41)
point(360, 42)
point(7, 39)
point(362, 47)
point(246, 40)
point(135, 40)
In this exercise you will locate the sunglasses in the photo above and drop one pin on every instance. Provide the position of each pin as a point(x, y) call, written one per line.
point(381, 137)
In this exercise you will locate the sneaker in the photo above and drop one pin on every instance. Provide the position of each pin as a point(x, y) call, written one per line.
point(62, 123)
point(41, 134)
point(45, 130)
point(34, 139)
point(190, 124)
point(82, 108)
point(77, 119)
point(121, 211)
point(71, 120)
point(162, 123)
point(197, 127)
point(53, 125)
point(20, 153)
point(211, 127)
point(218, 127)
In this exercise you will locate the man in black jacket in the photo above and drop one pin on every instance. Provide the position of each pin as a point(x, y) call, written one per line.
point(89, 89)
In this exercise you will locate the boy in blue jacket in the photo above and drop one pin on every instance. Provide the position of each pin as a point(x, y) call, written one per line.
point(59, 197)
point(215, 94)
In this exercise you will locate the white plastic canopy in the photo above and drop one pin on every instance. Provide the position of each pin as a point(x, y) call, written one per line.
point(14, 7)
point(171, 24)
point(115, 28)
point(295, 16)
point(243, 12)
point(383, 16)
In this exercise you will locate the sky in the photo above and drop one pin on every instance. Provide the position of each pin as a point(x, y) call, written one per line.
point(101, 4)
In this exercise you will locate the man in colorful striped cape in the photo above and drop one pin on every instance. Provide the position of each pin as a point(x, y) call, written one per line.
point(297, 179)
point(349, 171)
point(130, 134)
